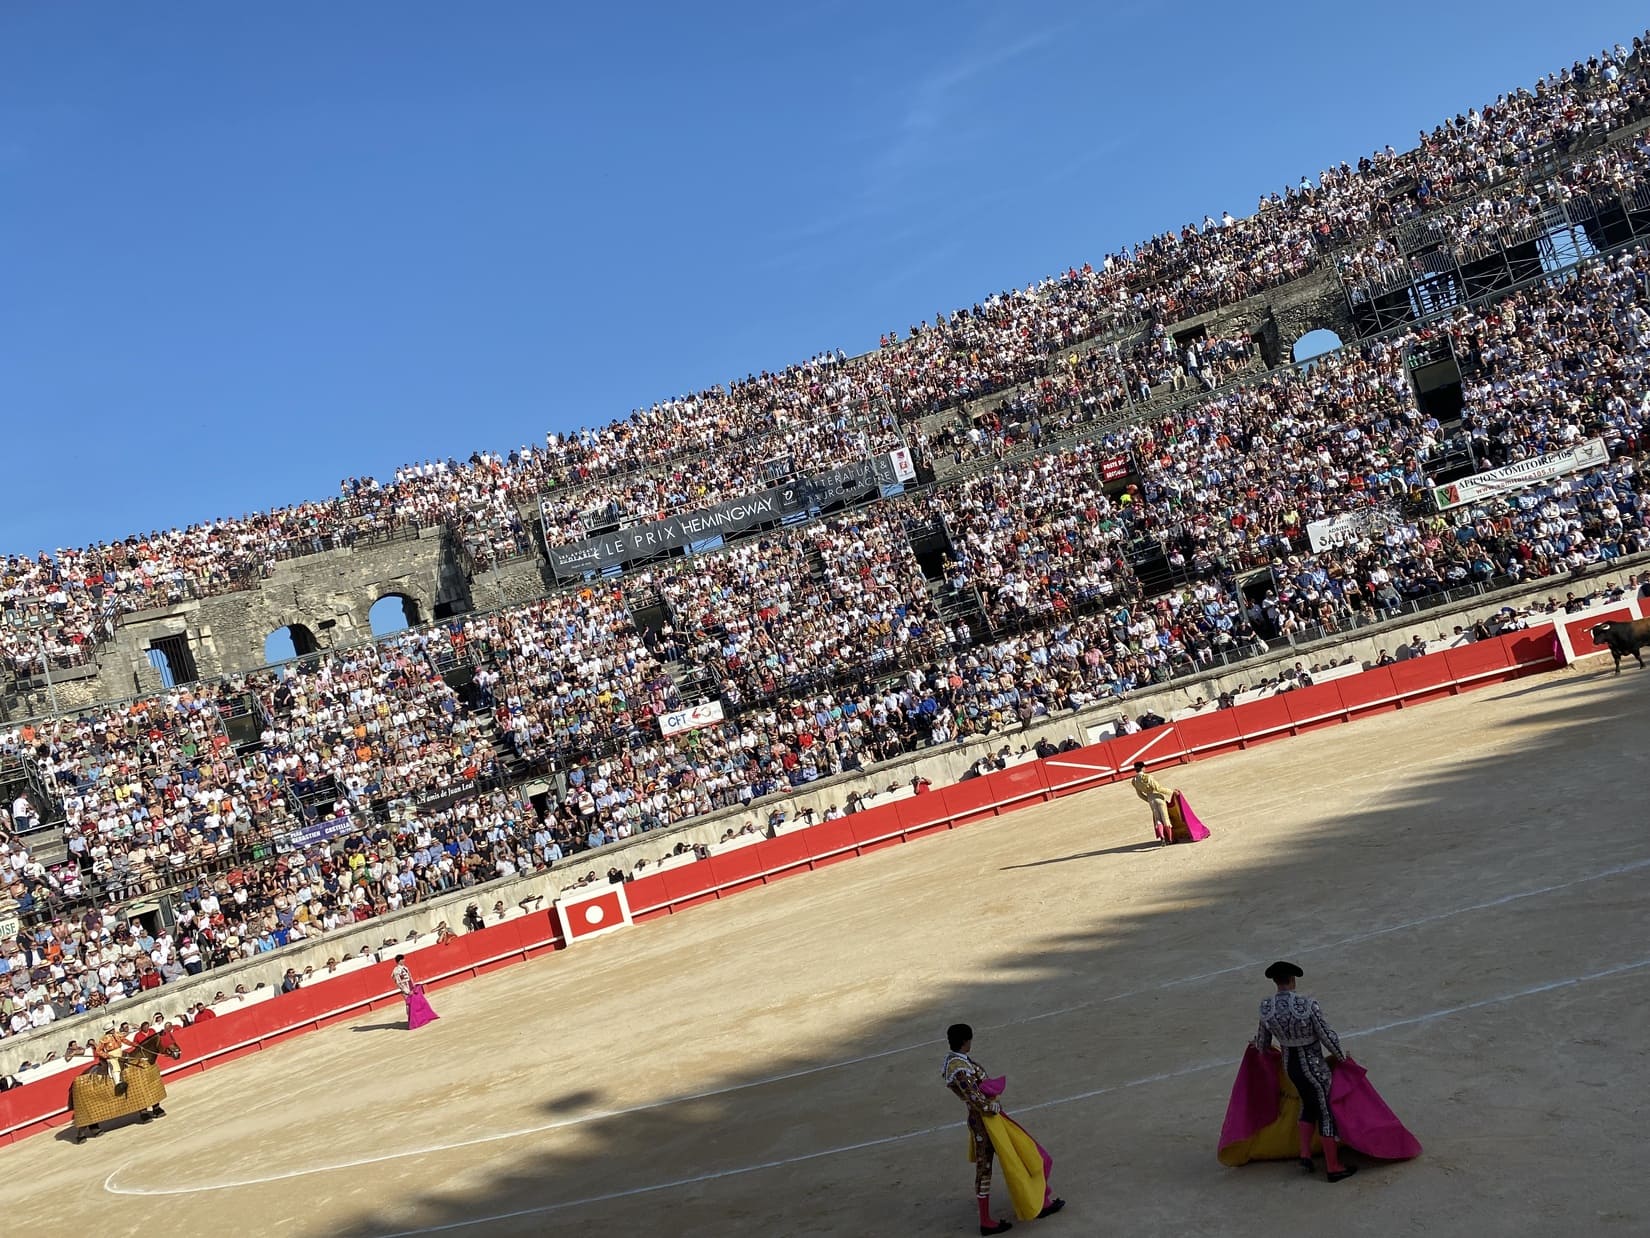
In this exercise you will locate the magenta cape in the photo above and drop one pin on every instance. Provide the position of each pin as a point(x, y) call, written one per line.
point(1261, 1116)
point(418, 1009)
point(1183, 822)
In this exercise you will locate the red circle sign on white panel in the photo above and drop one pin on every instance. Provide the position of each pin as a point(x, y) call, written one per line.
point(591, 911)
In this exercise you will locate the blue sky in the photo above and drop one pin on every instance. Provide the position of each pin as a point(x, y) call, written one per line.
point(246, 251)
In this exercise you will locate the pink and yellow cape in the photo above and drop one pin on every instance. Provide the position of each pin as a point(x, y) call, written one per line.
point(1264, 1108)
point(1184, 827)
point(1025, 1164)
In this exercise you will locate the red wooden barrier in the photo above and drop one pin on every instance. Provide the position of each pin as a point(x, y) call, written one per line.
point(1205, 735)
point(831, 842)
point(1531, 649)
point(648, 896)
point(1020, 785)
point(1082, 769)
point(1479, 664)
point(1262, 721)
point(1372, 692)
point(1159, 746)
point(689, 885)
point(1317, 706)
point(973, 800)
point(923, 814)
point(1422, 679)
point(785, 855)
point(877, 828)
point(735, 870)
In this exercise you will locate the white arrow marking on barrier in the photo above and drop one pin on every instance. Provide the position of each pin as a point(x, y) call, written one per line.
point(1163, 733)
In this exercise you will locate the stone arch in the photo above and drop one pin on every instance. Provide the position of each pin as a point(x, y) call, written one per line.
point(1314, 344)
point(294, 640)
point(394, 611)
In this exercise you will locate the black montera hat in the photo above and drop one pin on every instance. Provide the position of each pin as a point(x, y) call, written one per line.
point(1281, 971)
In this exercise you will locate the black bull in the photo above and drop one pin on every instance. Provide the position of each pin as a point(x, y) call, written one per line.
point(1623, 637)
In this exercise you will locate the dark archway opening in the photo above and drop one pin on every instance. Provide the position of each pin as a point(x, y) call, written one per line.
point(1315, 344)
point(293, 641)
point(392, 613)
point(172, 657)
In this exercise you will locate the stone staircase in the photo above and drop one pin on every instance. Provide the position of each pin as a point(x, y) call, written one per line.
point(516, 768)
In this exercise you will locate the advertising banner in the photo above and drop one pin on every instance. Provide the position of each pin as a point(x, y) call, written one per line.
point(1591, 454)
point(794, 499)
point(321, 831)
point(691, 718)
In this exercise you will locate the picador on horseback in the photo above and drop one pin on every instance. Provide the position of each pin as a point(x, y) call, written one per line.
point(124, 1079)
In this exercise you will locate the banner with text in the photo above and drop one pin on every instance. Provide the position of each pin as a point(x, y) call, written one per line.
point(1591, 454)
point(691, 718)
point(321, 831)
point(848, 484)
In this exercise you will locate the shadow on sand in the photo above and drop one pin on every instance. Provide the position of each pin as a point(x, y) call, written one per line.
point(613, 1178)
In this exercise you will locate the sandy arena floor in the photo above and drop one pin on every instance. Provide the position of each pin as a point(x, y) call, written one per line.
point(1463, 882)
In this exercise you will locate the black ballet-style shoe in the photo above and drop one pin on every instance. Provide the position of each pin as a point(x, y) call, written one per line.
point(1345, 1172)
point(1001, 1227)
point(1050, 1208)
point(158, 1112)
point(1307, 1165)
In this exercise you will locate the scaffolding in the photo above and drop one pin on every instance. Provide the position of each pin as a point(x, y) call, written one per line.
point(1436, 263)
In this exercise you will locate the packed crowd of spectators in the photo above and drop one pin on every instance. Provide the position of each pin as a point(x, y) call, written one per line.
point(834, 409)
point(1517, 214)
point(830, 646)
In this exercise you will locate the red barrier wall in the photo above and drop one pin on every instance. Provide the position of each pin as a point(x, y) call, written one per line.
point(648, 896)
point(1208, 734)
point(1530, 648)
point(1372, 692)
point(689, 885)
point(1262, 721)
point(973, 800)
point(830, 842)
point(1082, 769)
point(1317, 706)
point(735, 870)
point(1485, 662)
point(1020, 785)
point(1422, 679)
point(787, 854)
point(922, 814)
point(878, 827)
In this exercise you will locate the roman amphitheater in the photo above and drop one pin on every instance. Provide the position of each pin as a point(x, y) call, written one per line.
point(929, 604)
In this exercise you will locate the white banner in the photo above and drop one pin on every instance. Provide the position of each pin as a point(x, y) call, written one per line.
point(1589, 455)
point(1346, 529)
point(691, 718)
point(904, 469)
point(9, 925)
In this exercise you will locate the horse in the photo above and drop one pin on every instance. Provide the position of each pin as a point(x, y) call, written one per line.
point(94, 1099)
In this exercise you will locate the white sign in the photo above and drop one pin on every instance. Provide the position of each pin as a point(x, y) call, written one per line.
point(9, 924)
point(1589, 455)
point(1346, 529)
point(904, 469)
point(691, 718)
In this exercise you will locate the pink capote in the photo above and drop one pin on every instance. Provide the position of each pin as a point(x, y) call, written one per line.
point(1255, 1128)
point(1183, 822)
point(994, 1087)
point(418, 1009)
